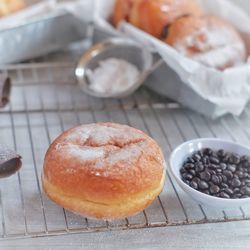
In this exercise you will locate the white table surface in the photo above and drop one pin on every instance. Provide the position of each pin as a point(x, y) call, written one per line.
point(209, 236)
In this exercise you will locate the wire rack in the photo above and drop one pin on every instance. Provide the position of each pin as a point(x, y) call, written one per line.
point(46, 101)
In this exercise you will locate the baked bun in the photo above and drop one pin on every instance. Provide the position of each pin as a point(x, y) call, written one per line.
point(121, 11)
point(154, 16)
point(103, 170)
point(209, 40)
point(10, 6)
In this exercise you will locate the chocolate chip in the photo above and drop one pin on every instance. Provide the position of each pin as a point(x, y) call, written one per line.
point(245, 175)
point(245, 158)
point(223, 166)
point(214, 154)
point(199, 167)
point(240, 174)
point(205, 175)
point(234, 159)
point(203, 185)
point(247, 181)
point(225, 158)
point(196, 179)
point(245, 164)
point(240, 168)
point(192, 172)
point(224, 178)
point(245, 190)
point(228, 174)
point(199, 152)
point(224, 195)
point(224, 185)
point(189, 166)
point(236, 190)
point(187, 176)
point(205, 160)
point(231, 168)
point(220, 178)
point(212, 166)
point(236, 196)
point(212, 172)
point(244, 196)
point(194, 184)
point(207, 151)
point(221, 153)
point(190, 160)
point(214, 160)
point(228, 191)
point(182, 170)
point(196, 157)
point(236, 182)
point(215, 179)
point(214, 189)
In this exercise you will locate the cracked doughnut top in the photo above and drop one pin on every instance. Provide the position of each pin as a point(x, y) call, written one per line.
point(104, 161)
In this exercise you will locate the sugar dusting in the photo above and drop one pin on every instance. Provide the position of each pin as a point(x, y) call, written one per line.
point(84, 153)
point(100, 135)
point(103, 146)
point(217, 46)
point(228, 54)
point(129, 153)
point(113, 76)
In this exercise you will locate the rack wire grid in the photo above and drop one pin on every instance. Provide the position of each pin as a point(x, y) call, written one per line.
point(46, 100)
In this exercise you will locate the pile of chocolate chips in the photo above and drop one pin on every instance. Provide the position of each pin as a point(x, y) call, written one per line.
point(218, 173)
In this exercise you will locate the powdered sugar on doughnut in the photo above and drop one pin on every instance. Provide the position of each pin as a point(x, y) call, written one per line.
point(214, 45)
point(100, 135)
point(102, 147)
point(231, 54)
point(84, 153)
point(129, 153)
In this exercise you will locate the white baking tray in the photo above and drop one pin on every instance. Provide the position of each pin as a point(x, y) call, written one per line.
point(41, 36)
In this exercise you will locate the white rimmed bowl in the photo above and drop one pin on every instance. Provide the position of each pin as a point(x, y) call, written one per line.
point(180, 154)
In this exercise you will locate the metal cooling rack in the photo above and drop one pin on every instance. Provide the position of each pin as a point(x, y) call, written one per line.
point(46, 101)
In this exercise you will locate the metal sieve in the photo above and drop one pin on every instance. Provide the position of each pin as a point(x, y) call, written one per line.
point(121, 48)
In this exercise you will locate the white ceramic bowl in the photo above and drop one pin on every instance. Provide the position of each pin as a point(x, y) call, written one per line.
point(181, 153)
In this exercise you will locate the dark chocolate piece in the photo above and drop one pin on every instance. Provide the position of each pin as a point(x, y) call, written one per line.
point(10, 162)
point(5, 87)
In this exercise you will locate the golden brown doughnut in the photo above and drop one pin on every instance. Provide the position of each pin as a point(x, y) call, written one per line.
point(10, 6)
point(103, 170)
point(209, 40)
point(121, 11)
point(153, 16)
